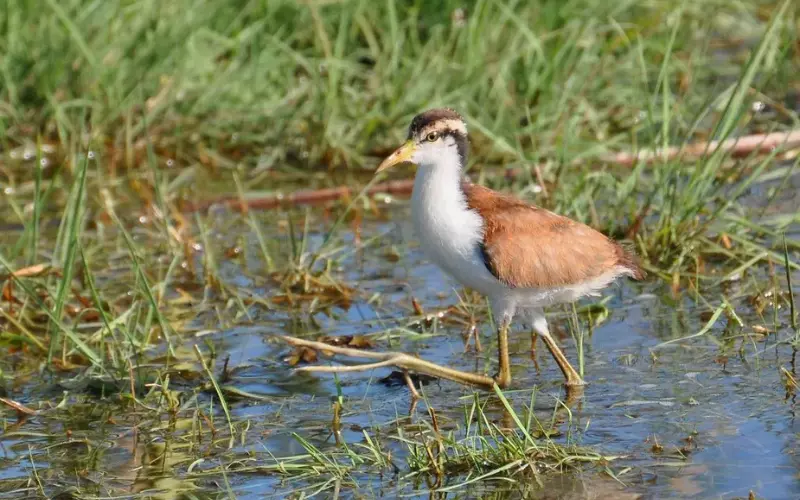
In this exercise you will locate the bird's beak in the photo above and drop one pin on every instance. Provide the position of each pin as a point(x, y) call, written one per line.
point(401, 155)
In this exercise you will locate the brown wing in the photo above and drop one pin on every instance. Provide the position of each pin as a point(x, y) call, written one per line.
point(526, 246)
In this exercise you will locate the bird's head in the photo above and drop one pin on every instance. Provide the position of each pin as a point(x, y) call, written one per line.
point(436, 137)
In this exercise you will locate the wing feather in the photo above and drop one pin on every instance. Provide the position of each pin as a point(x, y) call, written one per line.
point(525, 246)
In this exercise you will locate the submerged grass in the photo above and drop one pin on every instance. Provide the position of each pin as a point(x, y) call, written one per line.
point(112, 114)
point(480, 448)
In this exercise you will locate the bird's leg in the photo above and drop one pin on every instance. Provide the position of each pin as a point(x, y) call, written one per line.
point(570, 374)
point(503, 377)
point(405, 362)
point(534, 337)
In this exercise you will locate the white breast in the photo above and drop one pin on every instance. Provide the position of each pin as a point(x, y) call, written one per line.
point(449, 232)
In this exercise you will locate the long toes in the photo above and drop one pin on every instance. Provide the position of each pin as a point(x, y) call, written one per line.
point(501, 381)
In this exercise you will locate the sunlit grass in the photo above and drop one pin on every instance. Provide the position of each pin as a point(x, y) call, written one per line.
point(540, 85)
point(114, 113)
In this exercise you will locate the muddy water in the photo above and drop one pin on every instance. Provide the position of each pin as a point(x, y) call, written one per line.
point(703, 418)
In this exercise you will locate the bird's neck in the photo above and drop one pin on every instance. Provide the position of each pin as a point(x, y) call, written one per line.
point(445, 225)
point(437, 187)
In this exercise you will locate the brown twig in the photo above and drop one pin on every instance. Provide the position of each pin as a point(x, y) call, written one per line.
point(304, 197)
point(736, 147)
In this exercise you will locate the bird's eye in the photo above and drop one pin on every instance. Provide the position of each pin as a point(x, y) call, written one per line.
point(432, 136)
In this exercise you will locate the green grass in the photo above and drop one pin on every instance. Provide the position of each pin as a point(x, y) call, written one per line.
point(476, 449)
point(113, 113)
point(322, 85)
point(269, 90)
point(484, 449)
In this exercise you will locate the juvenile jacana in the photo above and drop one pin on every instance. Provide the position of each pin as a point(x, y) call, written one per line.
point(520, 256)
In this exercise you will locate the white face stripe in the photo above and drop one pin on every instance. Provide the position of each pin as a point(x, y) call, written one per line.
point(456, 125)
point(446, 124)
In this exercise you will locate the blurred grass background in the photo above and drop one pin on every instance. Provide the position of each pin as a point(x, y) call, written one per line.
point(272, 83)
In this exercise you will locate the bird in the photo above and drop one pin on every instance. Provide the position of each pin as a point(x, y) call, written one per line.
point(522, 257)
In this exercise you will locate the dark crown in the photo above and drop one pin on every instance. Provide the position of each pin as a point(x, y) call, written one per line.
point(425, 118)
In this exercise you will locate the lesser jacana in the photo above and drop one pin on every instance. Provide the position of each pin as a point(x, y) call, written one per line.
point(520, 256)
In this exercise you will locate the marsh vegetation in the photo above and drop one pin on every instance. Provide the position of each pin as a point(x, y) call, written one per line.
point(145, 287)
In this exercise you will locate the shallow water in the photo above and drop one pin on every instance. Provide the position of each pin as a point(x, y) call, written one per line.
point(707, 417)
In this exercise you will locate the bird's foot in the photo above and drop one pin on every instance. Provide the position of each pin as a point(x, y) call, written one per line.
point(574, 391)
point(503, 380)
point(576, 382)
point(405, 362)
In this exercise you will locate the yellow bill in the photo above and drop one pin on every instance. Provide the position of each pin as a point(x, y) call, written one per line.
point(401, 155)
